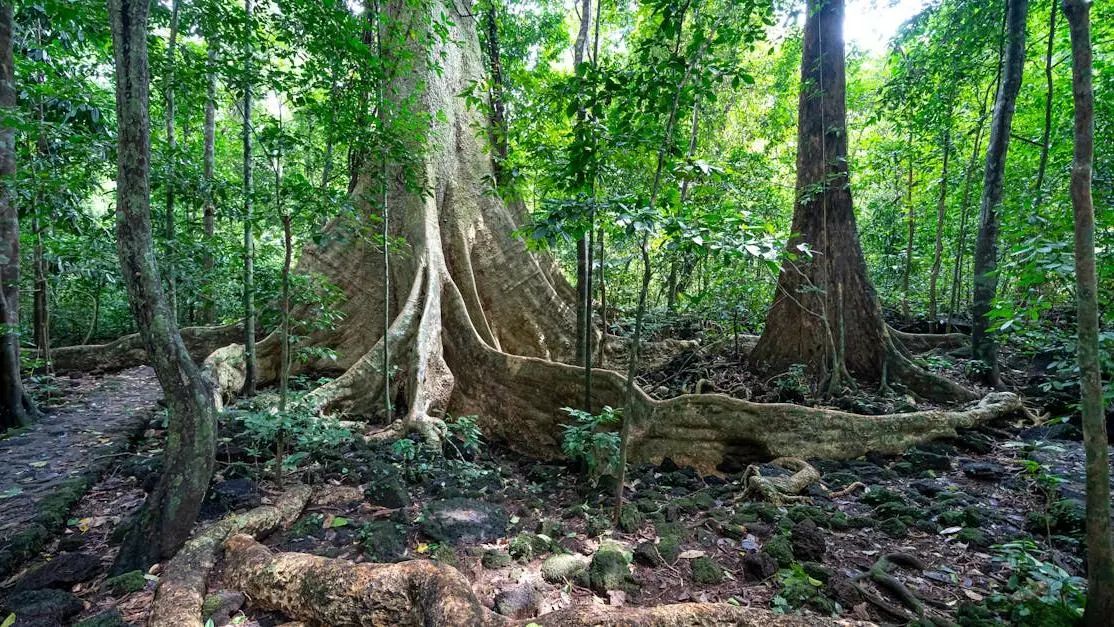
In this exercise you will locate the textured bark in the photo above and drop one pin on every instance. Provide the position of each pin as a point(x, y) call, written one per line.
point(319, 590)
point(171, 149)
point(130, 350)
point(941, 214)
point(498, 118)
point(165, 521)
point(183, 585)
point(209, 305)
point(1100, 553)
point(911, 228)
point(249, 238)
point(983, 344)
point(481, 326)
point(16, 409)
point(825, 313)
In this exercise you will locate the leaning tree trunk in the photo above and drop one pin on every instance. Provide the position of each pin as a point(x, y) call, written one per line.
point(483, 326)
point(825, 313)
point(983, 345)
point(16, 409)
point(165, 522)
point(1100, 554)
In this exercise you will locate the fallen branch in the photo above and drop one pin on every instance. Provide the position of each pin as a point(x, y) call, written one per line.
point(780, 490)
point(181, 590)
point(320, 590)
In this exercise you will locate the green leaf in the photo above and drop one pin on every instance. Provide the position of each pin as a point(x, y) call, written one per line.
point(10, 492)
point(9, 621)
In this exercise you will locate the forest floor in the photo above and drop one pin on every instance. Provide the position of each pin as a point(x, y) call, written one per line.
point(974, 511)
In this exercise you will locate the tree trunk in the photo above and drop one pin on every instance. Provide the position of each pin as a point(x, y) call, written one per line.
point(482, 326)
point(171, 149)
point(583, 315)
point(16, 409)
point(941, 213)
point(983, 345)
point(825, 313)
point(1046, 136)
point(965, 205)
point(1100, 553)
point(209, 307)
point(249, 239)
point(41, 301)
point(911, 223)
point(167, 518)
point(96, 315)
point(498, 121)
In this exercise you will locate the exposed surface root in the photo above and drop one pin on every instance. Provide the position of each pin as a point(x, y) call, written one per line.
point(780, 490)
point(879, 573)
point(858, 485)
point(182, 587)
point(338, 592)
point(128, 351)
point(924, 342)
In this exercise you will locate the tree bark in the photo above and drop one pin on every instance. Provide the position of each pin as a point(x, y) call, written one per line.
point(498, 122)
point(1046, 135)
point(825, 313)
point(941, 214)
point(983, 345)
point(965, 205)
point(911, 224)
point(583, 314)
point(249, 239)
point(1100, 553)
point(171, 149)
point(16, 409)
point(167, 518)
point(209, 303)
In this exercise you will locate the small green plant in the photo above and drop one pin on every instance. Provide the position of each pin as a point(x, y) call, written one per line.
point(1037, 592)
point(792, 384)
point(589, 442)
point(797, 589)
point(465, 429)
point(405, 449)
point(293, 435)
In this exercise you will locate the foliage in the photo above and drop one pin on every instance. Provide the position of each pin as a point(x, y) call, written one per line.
point(292, 436)
point(1037, 592)
point(797, 589)
point(591, 442)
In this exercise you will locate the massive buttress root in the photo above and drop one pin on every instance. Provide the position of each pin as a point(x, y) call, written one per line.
point(482, 326)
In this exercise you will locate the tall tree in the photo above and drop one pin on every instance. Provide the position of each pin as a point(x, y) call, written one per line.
point(15, 406)
point(825, 313)
point(248, 190)
point(941, 214)
point(1046, 134)
point(171, 149)
point(208, 211)
point(583, 274)
point(1100, 553)
point(167, 518)
point(983, 345)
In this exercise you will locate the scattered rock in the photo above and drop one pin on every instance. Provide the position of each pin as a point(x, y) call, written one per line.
point(609, 570)
point(706, 572)
point(759, 566)
point(807, 541)
point(126, 583)
point(878, 496)
point(558, 569)
point(43, 608)
point(922, 459)
point(386, 487)
point(494, 559)
point(983, 470)
point(235, 494)
point(630, 519)
point(221, 605)
point(647, 554)
point(518, 602)
point(927, 487)
point(526, 546)
point(111, 618)
point(61, 572)
point(383, 541)
point(458, 521)
point(779, 548)
point(973, 537)
point(893, 527)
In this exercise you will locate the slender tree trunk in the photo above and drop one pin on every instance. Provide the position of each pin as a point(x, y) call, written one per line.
point(96, 317)
point(984, 346)
point(583, 316)
point(171, 149)
point(603, 302)
point(41, 301)
point(167, 518)
point(1100, 554)
point(16, 409)
point(498, 117)
point(209, 308)
point(249, 240)
point(911, 223)
point(941, 213)
point(1046, 136)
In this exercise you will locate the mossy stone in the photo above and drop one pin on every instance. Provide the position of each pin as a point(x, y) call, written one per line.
point(973, 537)
point(609, 570)
point(893, 527)
point(670, 537)
point(557, 569)
point(494, 559)
point(126, 583)
point(111, 618)
point(951, 518)
point(878, 496)
point(706, 572)
point(630, 519)
point(779, 548)
point(798, 513)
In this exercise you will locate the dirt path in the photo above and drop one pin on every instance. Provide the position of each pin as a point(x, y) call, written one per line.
point(45, 469)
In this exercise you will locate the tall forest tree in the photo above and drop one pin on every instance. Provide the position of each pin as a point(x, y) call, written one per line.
point(1100, 552)
point(167, 517)
point(16, 409)
point(826, 314)
point(983, 345)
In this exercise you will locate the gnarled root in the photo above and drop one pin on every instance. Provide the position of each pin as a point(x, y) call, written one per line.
point(128, 351)
point(924, 342)
point(780, 490)
point(181, 590)
point(338, 592)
